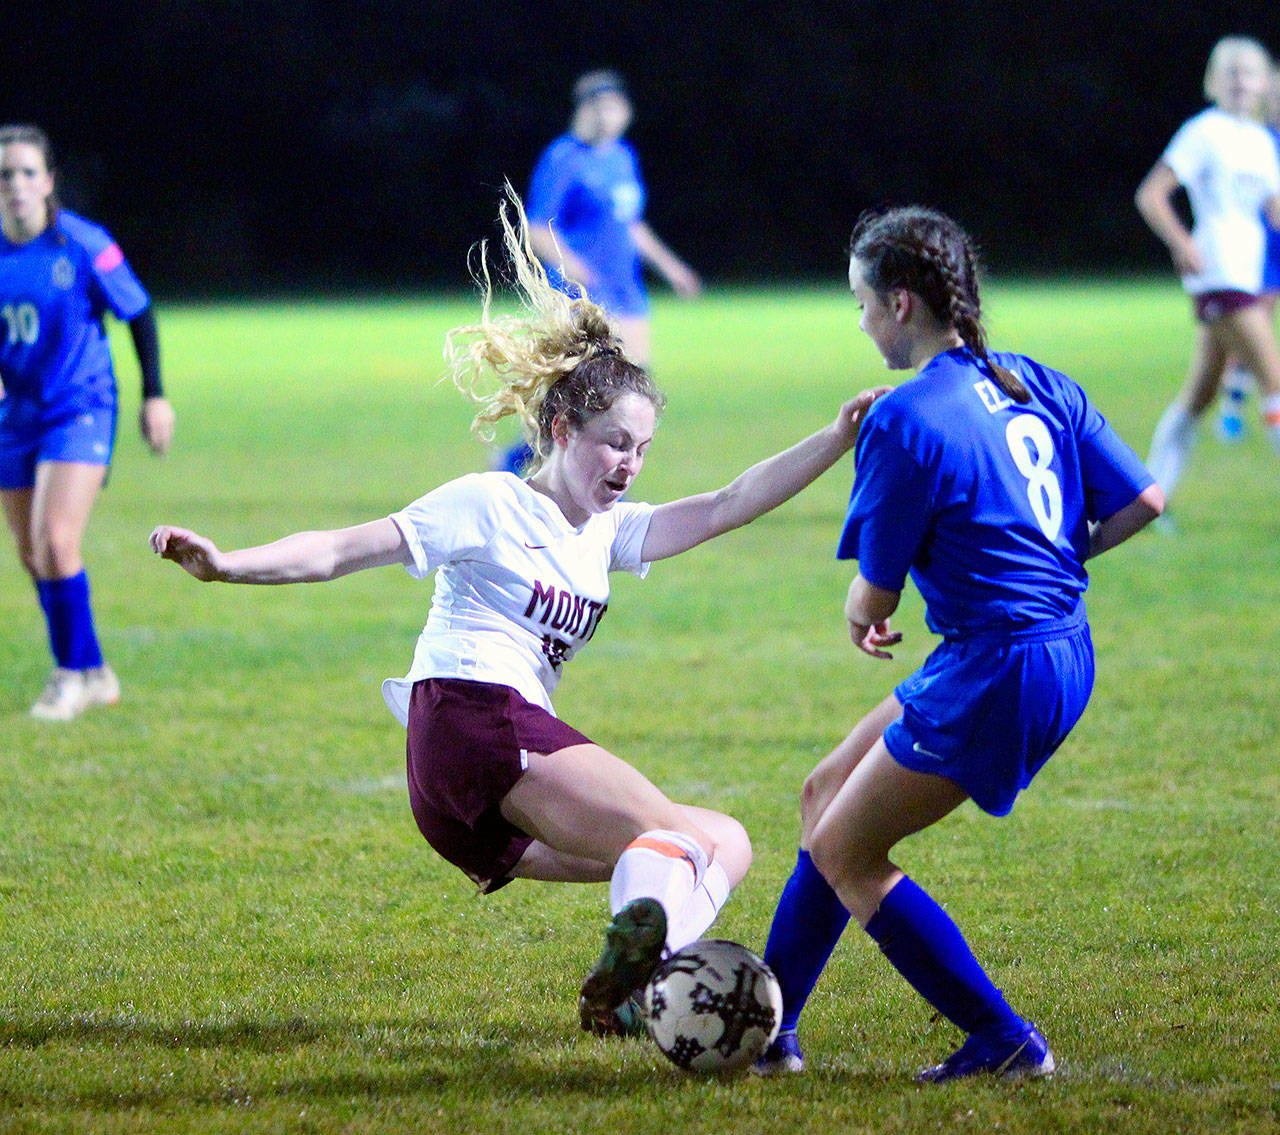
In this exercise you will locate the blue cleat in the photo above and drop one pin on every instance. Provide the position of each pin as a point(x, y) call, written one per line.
point(1025, 1057)
point(782, 1058)
point(633, 945)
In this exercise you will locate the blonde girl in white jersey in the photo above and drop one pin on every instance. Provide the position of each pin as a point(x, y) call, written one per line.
point(499, 786)
point(1227, 163)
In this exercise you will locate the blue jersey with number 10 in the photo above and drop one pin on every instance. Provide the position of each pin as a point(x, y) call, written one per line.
point(985, 502)
point(54, 292)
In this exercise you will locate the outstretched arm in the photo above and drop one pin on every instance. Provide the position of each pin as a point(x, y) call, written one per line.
point(304, 557)
point(683, 524)
point(1131, 519)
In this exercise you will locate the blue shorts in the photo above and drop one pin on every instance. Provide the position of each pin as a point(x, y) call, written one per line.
point(987, 712)
point(31, 433)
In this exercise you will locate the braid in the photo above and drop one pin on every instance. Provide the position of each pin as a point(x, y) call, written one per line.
point(929, 254)
point(960, 282)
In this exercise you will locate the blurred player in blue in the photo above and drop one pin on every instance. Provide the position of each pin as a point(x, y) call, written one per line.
point(59, 275)
point(586, 215)
point(990, 479)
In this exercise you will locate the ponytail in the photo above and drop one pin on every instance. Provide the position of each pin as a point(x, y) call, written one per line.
point(558, 357)
point(927, 253)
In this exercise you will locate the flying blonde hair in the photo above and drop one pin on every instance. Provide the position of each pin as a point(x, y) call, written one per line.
point(558, 356)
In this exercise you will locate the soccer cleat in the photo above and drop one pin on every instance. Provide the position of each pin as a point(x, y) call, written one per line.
point(783, 1057)
point(633, 945)
point(1026, 1057)
point(64, 697)
point(101, 686)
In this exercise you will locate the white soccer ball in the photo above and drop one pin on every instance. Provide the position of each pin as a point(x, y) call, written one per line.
point(713, 1006)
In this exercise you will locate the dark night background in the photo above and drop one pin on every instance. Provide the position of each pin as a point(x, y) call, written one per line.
point(277, 144)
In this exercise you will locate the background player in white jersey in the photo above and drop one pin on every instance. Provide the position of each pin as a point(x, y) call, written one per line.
point(59, 276)
point(499, 786)
point(1227, 162)
point(1237, 382)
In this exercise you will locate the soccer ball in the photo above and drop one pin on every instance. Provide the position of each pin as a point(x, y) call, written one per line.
point(713, 1006)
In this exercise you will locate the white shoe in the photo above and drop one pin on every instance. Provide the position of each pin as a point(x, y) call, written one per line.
point(101, 686)
point(65, 696)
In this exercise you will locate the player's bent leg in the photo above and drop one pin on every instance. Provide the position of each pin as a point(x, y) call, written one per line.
point(882, 804)
point(810, 918)
point(584, 801)
point(547, 865)
point(822, 784)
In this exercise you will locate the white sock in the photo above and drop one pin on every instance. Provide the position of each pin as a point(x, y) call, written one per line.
point(1271, 419)
point(1171, 445)
point(693, 920)
point(663, 865)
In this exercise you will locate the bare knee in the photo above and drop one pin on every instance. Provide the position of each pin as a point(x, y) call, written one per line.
point(733, 850)
point(857, 877)
point(813, 799)
point(55, 550)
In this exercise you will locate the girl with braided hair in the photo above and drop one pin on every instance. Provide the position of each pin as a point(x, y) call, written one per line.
point(499, 786)
point(990, 479)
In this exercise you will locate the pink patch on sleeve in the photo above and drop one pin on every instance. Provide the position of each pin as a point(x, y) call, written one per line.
point(109, 258)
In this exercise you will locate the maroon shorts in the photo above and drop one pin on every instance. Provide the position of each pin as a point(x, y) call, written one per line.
point(468, 745)
point(1212, 306)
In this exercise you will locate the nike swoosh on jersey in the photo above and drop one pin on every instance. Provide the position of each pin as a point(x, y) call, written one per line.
point(534, 547)
point(927, 752)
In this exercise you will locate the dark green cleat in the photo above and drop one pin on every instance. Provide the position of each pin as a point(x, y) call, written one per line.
point(633, 945)
point(626, 1021)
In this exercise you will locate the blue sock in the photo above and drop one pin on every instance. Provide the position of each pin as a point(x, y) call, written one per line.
point(927, 948)
point(66, 610)
point(806, 927)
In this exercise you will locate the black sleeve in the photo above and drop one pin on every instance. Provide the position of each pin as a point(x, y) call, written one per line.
point(146, 342)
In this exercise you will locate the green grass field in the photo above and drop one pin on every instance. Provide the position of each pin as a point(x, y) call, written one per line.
point(216, 914)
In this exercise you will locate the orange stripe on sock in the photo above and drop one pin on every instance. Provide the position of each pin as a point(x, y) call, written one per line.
point(670, 850)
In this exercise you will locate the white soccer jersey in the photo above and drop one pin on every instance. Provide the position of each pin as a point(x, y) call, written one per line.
point(1229, 169)
point(519, 588)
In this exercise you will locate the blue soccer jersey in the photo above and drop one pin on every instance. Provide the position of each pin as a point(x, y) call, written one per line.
point(591, 196)
point(54, 293)
point(984, 502)
point(1271, 260)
